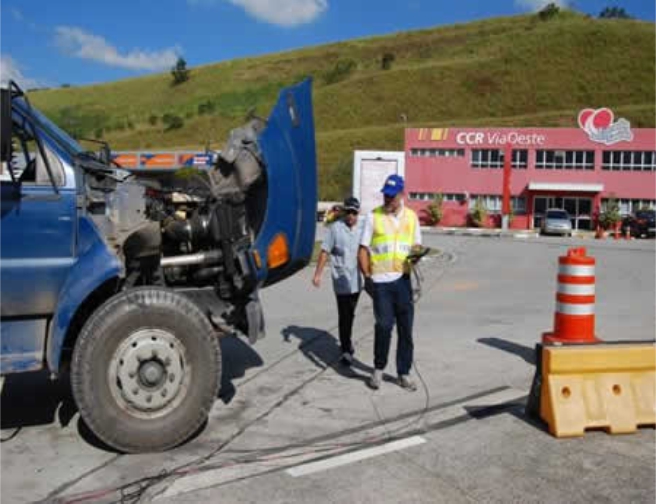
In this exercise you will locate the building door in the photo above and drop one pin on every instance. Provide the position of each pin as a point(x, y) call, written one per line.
point(579, 209)
point(584, 214)
point(540, 205)
point(569, 205)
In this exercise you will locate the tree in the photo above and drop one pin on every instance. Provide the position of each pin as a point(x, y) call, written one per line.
point(550, 11)
point(614, 13)
point(180, 72)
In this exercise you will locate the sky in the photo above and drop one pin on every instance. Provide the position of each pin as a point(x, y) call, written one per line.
point(50, 43)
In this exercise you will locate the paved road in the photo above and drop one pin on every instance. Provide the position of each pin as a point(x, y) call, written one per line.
point(287, 403)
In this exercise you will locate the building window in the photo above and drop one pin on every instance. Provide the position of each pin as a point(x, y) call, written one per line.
point(629, 161)
point(426, 196)
point(494, 204)
point(518, 205)
point(494, 158)
point(454, 197)
point(520, 159)
point(564, 160)
point(629, 206)
point(437, 152)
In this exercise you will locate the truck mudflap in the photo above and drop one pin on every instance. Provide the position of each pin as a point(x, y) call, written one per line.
point(285, 240)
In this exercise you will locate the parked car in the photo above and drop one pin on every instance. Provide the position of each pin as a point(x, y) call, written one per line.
point(641, 223)
point(557, 221)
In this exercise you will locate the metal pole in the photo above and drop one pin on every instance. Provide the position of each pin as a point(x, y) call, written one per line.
point(507, 167)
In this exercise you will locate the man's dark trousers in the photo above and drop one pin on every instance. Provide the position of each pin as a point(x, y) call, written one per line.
point(346, 304)
point(393, 303)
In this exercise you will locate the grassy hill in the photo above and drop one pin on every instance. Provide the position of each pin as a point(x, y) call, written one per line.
point(518, 71)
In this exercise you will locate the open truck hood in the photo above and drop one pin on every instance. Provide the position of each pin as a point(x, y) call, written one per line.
point(288, 149)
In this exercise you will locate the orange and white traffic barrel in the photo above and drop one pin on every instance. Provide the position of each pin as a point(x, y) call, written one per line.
point(574, 319)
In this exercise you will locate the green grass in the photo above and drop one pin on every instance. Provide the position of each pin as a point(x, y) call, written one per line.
point(506, 71)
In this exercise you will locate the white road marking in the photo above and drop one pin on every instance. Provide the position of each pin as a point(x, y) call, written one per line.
point(295, 459)
point(349, 458)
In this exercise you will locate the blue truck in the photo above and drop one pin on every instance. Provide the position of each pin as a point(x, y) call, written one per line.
point(104, 277)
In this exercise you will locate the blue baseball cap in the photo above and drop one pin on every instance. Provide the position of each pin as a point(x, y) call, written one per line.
point(393, 185)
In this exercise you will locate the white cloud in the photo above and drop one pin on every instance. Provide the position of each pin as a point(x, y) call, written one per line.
point(11, 70)
point(286, 13)
point(82, 44)
point(536, 5)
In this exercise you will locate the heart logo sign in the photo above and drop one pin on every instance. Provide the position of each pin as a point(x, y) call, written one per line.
point(595, 120)
point(599, 125)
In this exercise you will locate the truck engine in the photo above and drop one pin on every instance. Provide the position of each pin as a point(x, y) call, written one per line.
point(189, 229)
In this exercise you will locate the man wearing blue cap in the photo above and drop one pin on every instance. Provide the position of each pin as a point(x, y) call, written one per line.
point(390, 233)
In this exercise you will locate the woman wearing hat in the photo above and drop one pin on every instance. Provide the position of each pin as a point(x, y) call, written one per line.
point(341, 245)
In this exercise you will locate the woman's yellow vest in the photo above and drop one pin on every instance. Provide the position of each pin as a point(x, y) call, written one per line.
point(391, 246)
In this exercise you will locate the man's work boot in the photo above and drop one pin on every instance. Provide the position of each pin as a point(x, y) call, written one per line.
point(375, 379)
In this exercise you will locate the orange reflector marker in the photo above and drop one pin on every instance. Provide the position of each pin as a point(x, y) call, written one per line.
point(278, 253)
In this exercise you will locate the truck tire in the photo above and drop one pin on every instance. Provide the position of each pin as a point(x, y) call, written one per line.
point(146, 370)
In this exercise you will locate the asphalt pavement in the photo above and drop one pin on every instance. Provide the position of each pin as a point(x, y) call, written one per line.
point(292, 425)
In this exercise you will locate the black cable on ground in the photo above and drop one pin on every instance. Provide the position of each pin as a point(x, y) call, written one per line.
point(12, 435)
point(132, 492)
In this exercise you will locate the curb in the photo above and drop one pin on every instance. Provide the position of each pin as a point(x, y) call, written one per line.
point(518, 234)
point(487, 233)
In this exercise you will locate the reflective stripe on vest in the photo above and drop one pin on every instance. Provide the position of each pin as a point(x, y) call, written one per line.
point(391, 246)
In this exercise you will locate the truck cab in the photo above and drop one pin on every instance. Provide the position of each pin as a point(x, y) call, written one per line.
point(104, 276)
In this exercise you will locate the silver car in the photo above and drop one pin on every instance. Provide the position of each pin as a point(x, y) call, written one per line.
point(557, 221)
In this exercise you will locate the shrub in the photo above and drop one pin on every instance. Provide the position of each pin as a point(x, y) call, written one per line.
point(387, 60)
point(174, 122)
point(341, 70)
point(152, 120)
point(550, 11)
point(478, 214)
point(610, 216)
point(208, 107)
point(434, 212)
point(98, 133)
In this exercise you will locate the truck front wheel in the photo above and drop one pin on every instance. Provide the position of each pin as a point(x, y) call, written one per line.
point(146, 370)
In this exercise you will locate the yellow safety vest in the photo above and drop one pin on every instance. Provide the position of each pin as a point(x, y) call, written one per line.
point(391, 246)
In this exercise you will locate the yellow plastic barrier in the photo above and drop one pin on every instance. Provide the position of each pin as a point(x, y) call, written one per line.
point(607, 386)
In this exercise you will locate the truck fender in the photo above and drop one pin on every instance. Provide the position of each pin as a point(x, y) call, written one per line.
point(95, 265)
